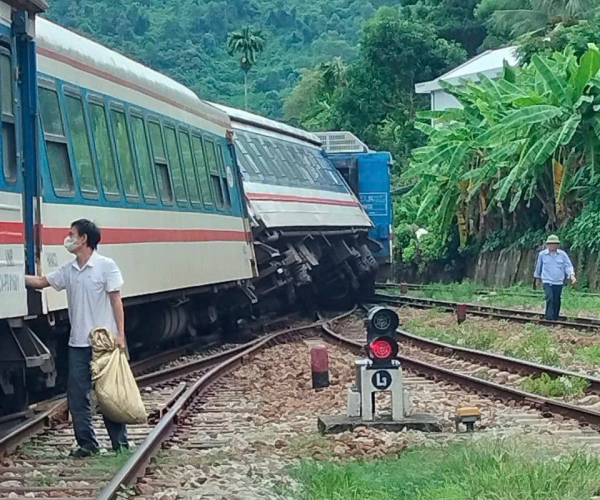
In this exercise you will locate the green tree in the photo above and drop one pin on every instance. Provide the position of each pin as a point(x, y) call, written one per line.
point(518, 17)
point(453, 20)
point(577, 36)
point(374, 97)
point(249, 43)
point(530, 138)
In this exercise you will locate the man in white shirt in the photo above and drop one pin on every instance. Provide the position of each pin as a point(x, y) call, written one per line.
point(93, 284)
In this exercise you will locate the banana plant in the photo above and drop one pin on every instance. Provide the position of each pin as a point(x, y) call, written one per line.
point(533, 133)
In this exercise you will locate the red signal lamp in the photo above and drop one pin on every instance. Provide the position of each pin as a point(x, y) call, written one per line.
point(382, 350)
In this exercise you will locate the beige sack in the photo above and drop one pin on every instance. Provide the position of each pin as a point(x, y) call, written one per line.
point(116, 390)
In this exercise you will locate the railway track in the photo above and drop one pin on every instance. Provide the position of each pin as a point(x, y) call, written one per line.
point(517, 315)
point(191, 415)
point(480, 291)
point(41, 467)
point(18, 426)
point(216, 411)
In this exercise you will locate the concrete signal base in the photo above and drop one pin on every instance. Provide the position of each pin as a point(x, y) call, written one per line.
point(335, 424)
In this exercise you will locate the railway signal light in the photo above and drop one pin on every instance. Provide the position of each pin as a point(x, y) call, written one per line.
point(382, 342)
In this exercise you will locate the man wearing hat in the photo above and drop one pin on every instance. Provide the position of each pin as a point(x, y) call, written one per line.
point(552, 268)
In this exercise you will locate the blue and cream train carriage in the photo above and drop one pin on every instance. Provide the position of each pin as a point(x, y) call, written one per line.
point(209, 212)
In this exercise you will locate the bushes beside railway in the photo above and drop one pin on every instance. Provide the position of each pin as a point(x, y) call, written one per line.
point(521, 158)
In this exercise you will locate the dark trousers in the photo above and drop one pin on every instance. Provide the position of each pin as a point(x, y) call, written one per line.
point(553, 293)
point(79, 387)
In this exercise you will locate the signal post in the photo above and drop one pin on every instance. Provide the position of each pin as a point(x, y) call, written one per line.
point(380, 371)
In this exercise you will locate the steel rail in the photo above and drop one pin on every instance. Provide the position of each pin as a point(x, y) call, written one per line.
point(502, 392)
point(32, 426)
point(38, 421)
point(486, 311)
point(478, 291)
point(499, 361)
point(136, 465)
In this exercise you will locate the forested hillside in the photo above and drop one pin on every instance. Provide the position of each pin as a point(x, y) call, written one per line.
point(186, 39)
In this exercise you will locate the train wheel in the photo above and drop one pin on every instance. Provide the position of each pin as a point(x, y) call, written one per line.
point(338, 295)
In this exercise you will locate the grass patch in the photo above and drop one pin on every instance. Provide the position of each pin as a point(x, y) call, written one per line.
point(465, 335)
point(481, 470)
point(107, 463)
point(537, 345)
point(49, 479)
point(573, 301)
point(589, 354)
point(547, 386)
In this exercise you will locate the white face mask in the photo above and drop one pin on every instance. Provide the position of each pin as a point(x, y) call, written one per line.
point(70, 243)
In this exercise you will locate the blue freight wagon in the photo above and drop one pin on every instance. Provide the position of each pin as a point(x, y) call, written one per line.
point(368, 175)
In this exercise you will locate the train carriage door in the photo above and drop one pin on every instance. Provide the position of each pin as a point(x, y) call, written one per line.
point(13, 295)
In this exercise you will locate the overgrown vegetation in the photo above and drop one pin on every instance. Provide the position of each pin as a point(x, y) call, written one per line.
point(544, 385)
point(187, 39)
point(461, 335)
point(536, 345)
point(574, 302)
point(498, 469)
point(547, 346)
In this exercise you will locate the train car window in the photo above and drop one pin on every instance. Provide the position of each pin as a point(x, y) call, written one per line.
point(221, 161)
point(301, 152)
point(257, 165)
point(246, 160)
point(160, 163)
point(81, 146)
point(284, 161)
point(296, 162)
point(188, 166)
point(9, 152)
point(265, 148)
point(56, 142)
point(140, 144)
point(270, 150)
point(175, 162)
point(319, 169)
point(260, 158)
point(202, 170)
point(106, 162)
point(211, 160)
point(124, 155)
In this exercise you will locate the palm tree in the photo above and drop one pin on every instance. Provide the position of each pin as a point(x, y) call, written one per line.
point(334, 72)
point(249, 42)
point(519, 17)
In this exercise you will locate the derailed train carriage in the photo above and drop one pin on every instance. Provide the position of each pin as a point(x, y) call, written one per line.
point(311, 234)
point(205, 231)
